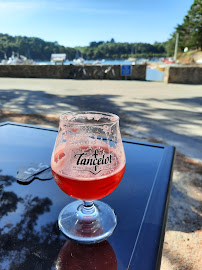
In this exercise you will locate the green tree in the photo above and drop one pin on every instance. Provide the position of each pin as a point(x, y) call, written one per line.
point(190, 31)
point(194, 24)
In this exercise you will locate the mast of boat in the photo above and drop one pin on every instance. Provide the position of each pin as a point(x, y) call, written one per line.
point(77, 54)
point(176, 46)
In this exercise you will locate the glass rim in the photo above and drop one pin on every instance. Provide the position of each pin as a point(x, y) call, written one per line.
point(111, 116)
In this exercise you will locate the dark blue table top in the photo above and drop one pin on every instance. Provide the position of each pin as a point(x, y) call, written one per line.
point(29, 234)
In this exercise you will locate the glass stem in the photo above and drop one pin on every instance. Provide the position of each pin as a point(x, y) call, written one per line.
point(88, 207)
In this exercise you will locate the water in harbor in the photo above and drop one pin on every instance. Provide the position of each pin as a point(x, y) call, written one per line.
point(154, 74)
point(92, 62)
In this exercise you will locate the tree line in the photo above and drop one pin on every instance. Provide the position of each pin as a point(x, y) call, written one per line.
point(190, 31)
point(190, 35)
point(39, 49)
point(118, 50)
point(32, 47)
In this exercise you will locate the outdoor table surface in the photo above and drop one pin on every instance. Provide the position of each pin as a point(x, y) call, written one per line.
point(29, 234)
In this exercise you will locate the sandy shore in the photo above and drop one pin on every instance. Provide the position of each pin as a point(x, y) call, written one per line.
point(150, 111)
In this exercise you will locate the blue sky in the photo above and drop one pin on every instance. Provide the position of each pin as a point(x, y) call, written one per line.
point(78, 22)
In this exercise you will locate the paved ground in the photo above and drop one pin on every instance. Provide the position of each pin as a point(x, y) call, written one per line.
point(172, 112)
point(152, 111)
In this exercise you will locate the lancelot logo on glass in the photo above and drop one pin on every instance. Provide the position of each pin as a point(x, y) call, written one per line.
point(94, 163)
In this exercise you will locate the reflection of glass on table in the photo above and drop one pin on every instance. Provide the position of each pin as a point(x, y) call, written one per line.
point(99, 256)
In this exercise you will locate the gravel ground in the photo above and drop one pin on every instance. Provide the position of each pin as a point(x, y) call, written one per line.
point(169, 114)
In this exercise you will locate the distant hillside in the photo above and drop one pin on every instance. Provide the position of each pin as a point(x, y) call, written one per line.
point(31, 47)
point(38, 49)
point(118, 50)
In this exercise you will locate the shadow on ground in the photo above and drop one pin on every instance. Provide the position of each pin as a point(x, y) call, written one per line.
point(184, 214)
point(138, 117)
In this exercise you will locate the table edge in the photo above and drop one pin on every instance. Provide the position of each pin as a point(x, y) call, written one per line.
point(165, 173)
point(157, 145)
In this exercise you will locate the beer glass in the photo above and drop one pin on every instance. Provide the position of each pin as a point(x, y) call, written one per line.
point(88, 163)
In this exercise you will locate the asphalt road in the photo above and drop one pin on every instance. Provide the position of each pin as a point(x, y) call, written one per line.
point(168, 112)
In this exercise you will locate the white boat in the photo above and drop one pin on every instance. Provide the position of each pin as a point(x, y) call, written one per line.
point(98, 62)
point(4, 62)
point(17, 59)
point(79, 61)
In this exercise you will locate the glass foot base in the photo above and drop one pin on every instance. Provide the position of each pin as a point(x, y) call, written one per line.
point(87, 224)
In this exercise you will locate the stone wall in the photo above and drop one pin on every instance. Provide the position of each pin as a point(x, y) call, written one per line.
point(72, 72)
point(183, 74)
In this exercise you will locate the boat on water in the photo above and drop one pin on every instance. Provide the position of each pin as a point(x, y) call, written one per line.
point(98, 62)
point(169, 60)
point(16, 59)
point(79, 61)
